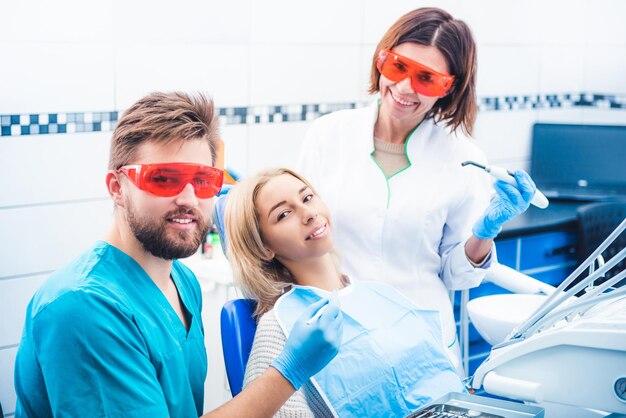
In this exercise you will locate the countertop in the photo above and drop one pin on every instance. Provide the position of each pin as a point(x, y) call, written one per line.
point(559, 215)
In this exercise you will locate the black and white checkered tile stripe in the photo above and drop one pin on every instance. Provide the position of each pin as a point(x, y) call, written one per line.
point(59, 123)
point(279, 114)
point(546, 101)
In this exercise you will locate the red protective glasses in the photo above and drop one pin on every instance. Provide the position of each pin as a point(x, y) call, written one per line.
point(424, 80)
point(169, 179)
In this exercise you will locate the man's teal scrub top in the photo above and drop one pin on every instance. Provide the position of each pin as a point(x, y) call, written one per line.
point(101, 339)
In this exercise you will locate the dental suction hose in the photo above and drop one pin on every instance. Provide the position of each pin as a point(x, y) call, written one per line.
point(539, 199)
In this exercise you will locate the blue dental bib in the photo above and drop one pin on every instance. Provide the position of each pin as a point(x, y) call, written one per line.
point(391, 361)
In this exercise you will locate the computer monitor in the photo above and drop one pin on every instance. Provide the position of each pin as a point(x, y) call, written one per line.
point(579, 161)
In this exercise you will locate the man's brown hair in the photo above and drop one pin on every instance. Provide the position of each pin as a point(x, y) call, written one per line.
point(163, 118)
point(453, 38)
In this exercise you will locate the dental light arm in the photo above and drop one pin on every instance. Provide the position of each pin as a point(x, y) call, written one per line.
point(516, 282)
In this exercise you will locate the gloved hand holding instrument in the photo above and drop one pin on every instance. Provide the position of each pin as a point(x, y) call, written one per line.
point(313, 342)
point(514, 194)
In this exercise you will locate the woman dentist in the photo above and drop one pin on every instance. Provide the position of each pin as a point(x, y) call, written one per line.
point(406, 212)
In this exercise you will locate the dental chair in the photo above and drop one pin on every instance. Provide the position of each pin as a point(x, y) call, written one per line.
point(238, 328)
point(596, 221)
point(569, 354)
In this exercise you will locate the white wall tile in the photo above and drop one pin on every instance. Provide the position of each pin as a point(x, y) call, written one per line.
point(508, 22)
point(508, 70)
point(292, 22)
point(561, 70)
point(57, 21)
point(561, 22)
point(15, 294)
point(378, 17)
point(377, 20)
point(276, 145)
point(44, 238)
point(236, 145)
point(604, 117)
point(556, 115)
point(184, 21)
point(304, 74)
point(55, 77)
point(366, 55)
point(505, 135)
point(604, 69)
point(7, 392)
point(220, 71)
point(604, 22)
point(53, 168)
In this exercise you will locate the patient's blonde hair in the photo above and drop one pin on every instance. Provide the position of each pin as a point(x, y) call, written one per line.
point(260, 276)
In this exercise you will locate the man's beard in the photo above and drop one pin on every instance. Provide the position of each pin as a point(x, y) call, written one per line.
point(153, 234)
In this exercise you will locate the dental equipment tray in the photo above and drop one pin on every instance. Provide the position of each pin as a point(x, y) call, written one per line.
point(461, 405)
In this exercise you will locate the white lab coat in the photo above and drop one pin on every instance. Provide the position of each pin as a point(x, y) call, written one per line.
point(409, 230)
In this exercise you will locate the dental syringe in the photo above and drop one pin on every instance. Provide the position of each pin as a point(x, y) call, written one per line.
point(539, 199)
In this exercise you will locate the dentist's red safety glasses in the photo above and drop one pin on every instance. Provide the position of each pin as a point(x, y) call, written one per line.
point(424, 80)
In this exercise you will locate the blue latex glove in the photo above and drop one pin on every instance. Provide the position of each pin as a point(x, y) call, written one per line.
point(226, 187)
point(509, 202)
point(218, 210)
point(219, 204)
point(310, 347)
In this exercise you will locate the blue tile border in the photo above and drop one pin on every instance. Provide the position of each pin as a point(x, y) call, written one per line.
point(57, 123)
point(280, 113)
point(547, 101)
point(61, 123)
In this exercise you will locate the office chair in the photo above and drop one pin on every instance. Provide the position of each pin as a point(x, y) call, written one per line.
point(238, 328)
point(595, 222)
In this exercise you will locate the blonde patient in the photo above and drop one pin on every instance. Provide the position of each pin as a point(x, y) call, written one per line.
point(280, 244)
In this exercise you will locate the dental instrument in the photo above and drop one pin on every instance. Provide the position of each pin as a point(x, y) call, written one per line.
point(317, 315)
point(539, 199)
point(463, 405)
